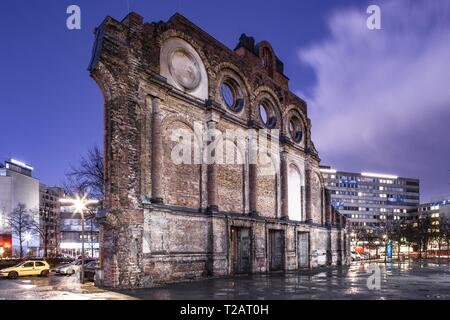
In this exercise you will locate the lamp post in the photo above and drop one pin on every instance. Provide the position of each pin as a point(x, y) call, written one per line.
point(80, 204)
point(27, 238)
point(385, 247)
point(352, 237)
point(45, 214)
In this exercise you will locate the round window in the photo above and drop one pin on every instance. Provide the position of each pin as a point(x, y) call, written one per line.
point(227, 94)
point(232, 95)
point(267, 115)
point(295, 129)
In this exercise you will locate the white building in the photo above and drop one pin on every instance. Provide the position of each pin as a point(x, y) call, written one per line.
point(17, 186)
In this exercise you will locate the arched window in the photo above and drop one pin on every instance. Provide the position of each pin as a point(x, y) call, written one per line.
point(294, 193)
point(267, 60)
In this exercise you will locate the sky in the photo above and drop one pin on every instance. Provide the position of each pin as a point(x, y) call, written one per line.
point(379, 100)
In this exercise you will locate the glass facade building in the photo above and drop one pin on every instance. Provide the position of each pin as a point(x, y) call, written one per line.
point(369, 199)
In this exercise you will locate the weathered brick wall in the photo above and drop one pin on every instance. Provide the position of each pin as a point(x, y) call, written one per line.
point(316, 198)
point(169, 221)
point(181, 182)
point(267, 195)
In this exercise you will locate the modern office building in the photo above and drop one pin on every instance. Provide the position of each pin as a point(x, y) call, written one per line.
point(369, 199)
point(49, 216)
point(436, 209)
point(17, 186)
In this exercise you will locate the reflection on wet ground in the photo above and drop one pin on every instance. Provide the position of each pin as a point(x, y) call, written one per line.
point(405, 280)
point(53, 288)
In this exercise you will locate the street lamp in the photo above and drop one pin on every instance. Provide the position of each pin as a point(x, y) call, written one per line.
point(79, 205)
point(385, 247)
point(27, 238)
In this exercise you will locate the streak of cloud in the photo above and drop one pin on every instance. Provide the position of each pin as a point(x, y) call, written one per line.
point(382, 97)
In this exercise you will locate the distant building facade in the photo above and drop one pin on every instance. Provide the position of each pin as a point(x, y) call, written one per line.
point(49, 218)
point(17, 186)
point(435, 210)
point(71, 236)
point(369, 199)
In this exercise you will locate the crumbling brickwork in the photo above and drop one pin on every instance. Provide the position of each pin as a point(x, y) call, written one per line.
point(169, 221)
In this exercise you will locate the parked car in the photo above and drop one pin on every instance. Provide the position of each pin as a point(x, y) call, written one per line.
point(27, 268)
point(90, 269)
point(365, 256)
point(71, 268)
point(355, 256)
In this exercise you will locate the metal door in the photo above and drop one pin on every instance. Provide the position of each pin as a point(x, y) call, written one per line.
point(276, 238)
point(241, 250)
point(303, 249)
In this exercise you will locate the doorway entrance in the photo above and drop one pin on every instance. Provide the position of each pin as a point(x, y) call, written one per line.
point(276, 247)
point(240, 250)
point(303, 250)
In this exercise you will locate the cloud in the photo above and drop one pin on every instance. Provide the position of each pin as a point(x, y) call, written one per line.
point(382, 97)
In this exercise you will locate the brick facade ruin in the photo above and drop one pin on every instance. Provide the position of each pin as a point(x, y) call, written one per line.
point(165, 221)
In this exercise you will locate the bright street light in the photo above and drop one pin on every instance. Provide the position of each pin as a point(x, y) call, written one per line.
point(79, 204)
point(27, 237)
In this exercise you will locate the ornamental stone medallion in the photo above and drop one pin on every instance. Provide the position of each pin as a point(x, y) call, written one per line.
point(183, 68)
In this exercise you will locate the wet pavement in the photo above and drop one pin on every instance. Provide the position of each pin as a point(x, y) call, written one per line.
point(54, 287)
point(406, 280)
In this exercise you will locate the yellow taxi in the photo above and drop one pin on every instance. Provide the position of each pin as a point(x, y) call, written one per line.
point(27, 268)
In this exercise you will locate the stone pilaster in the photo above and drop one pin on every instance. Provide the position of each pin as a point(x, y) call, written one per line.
point(211, 169)
point(157, 152)
point(308, 195)
point(253, 190)
point(284, 186)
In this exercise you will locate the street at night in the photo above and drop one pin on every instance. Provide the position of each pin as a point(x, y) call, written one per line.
point(208, 159)
point(406, 280)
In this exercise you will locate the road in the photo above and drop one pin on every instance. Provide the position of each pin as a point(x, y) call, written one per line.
point(414, 280)
point(54, 287)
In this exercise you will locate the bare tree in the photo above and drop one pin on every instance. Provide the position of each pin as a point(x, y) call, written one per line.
point(445, 231)
point(41, 227)
point(424, 234)
point(87, 177)
point(20, 221)
point(410, 233)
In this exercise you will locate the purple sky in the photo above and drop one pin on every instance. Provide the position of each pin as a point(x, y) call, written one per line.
point(379, 100)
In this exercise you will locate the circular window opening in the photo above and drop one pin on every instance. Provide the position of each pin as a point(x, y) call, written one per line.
point(295, 129)
point(232, 95)
point(184, 68)
point(267, 115)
